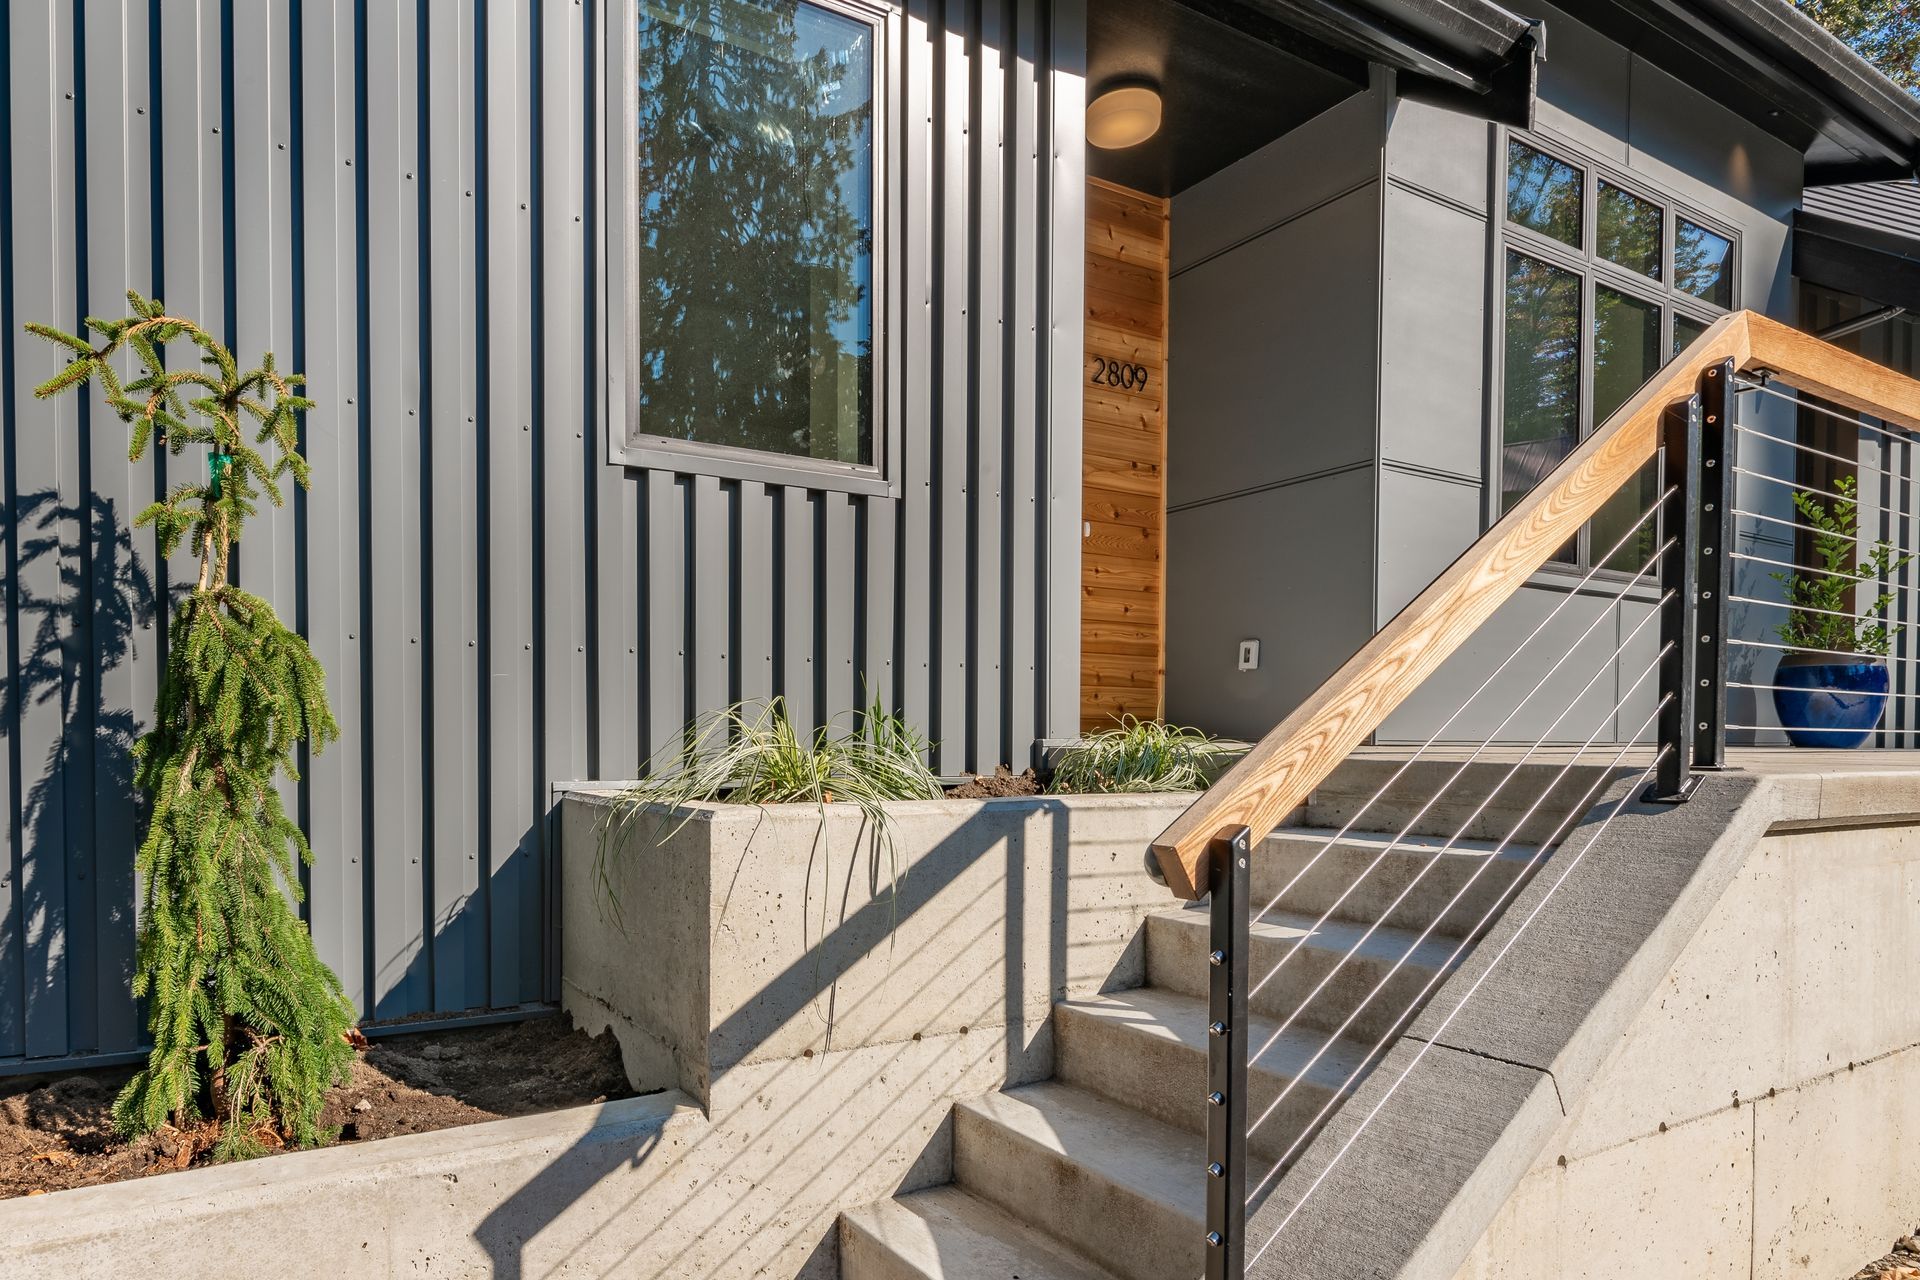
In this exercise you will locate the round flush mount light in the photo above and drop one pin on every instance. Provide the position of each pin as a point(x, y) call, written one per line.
point(1123, 117)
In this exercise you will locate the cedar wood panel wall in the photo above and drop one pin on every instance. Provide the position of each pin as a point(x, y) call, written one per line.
point(1122, 567)
point(405, 202)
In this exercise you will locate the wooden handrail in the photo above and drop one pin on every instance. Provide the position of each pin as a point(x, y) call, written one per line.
point(1298, 754)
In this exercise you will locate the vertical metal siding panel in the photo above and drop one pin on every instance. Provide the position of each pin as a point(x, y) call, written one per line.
point(616, 588)
point(333, 446)
point(80, 953)
point(665, 557)
point(457, 938)
point(875, 539)
point(193, 251)
point(122, 592)
point(916, 375)
point(393, 518)
point(13, 976)
point(263, 318)
point(798, 547)
point(711, 593)
point(1066, 289)
point(261, 284)
point(510, 500)
point(1024, 426)
point(952, 562)
point(840, 683)
point(752, 570)
point(989, 329)
point(882, 532)
point(44, 500)
point(568, 454)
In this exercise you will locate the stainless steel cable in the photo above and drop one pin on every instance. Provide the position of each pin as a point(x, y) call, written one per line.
point(1799, 526)
point(1836, 653)
point(1813, 489)
point(1428, 1044)
point(1820, 453)
point(1807, 568)
point(1784, 688)
point(1599, 616)
point(1460, 770)
point(1432, 862)
point(1803, 608)
point(1499, 904)
point(1892, 433)
point(1512, 656)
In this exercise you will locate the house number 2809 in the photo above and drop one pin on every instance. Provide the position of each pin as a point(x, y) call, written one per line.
point(1114, 373)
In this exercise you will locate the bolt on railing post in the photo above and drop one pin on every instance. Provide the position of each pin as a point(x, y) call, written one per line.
point(1229, 879)
point(1673, 779)
point(1713, 567)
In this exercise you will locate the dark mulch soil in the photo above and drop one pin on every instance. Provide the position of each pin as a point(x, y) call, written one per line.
point(1004, 782)
point(58, 1132)
point(1902, 1263)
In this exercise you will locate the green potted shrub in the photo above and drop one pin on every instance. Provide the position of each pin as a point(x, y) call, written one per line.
point(1142, 756)
point(1830, 689)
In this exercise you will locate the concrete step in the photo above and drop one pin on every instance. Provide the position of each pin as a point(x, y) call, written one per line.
point(1116, 1185)
point(947, 1234)
point(1178, 941)
point(1562, 798)
point(1309, 876)
point(1147, 1049)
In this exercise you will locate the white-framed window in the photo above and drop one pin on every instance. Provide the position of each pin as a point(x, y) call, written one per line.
point(1602, 280)
point(756, 218)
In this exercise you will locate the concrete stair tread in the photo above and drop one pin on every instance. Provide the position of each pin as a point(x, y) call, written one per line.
point(1150, 1159)
point(947, 1234)
point(1168, 1015)
point(1386, 943)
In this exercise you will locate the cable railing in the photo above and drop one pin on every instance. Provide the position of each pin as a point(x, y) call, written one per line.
point(1646, 710)
point(1831, 635)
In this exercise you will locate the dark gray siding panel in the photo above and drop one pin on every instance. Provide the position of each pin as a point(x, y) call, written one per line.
point(413, 205)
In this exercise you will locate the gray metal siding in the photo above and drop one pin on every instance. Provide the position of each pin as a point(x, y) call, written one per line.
point(409, 204)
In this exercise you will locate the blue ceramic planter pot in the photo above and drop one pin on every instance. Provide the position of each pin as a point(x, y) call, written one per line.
point(1829, 702)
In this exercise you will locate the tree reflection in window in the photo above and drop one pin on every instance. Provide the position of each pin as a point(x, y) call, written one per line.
point(1628, 230)
point(1702, 263)
point(1541, 397)
point(755, 246)
point(1543, 193)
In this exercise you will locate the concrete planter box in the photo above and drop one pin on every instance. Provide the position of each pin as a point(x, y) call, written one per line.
point(984, 914)
point(796, 1079)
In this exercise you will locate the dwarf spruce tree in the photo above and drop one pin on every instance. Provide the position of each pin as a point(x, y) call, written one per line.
point(249, 1027)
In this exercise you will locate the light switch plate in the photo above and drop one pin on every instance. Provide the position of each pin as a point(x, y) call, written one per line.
point(1249, 655)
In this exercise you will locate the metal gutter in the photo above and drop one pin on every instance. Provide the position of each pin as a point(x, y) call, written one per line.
point(1475, 55)
point(1769, 62)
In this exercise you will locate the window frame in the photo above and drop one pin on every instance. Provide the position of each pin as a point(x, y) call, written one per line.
point(1593, 272)
point(628, 444)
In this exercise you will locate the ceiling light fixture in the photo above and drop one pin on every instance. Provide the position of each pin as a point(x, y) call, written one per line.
point(1123, 117)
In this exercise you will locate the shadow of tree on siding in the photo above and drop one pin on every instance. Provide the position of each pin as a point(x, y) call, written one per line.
point(67, 926)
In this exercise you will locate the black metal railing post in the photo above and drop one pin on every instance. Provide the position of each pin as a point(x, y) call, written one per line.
point(1673, 780)
point(1229, 878)
point(1713, 567)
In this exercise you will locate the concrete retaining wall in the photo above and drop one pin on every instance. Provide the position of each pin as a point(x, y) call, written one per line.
point(800, 1079)
point(1758, 1117)
point(1692, 1048)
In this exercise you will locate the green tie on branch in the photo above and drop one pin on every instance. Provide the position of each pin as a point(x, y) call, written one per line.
point(249, 1028)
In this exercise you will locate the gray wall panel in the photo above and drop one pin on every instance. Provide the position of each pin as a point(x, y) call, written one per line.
point(1239, 573)
point(1434, 334)
point(413, 205)
point(1272, 352)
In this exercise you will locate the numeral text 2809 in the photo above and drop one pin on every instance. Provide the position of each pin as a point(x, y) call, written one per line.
point(1116, 373)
